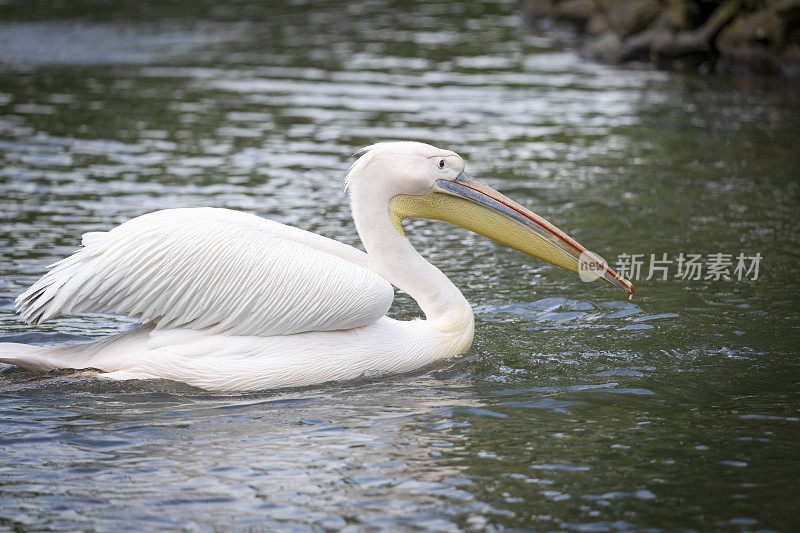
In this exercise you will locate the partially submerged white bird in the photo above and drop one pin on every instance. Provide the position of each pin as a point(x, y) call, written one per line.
point(232, 301)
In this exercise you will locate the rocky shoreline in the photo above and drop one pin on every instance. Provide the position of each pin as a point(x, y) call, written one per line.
point(731, 37)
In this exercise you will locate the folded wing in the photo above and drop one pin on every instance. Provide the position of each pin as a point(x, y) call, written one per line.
point(213, 269)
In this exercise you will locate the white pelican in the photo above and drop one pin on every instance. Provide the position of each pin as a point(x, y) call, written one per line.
point(232, 301)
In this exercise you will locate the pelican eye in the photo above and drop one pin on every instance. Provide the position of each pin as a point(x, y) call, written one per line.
point(441, 164)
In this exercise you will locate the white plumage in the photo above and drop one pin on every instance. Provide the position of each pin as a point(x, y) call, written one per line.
point(231, 301)
point(214, 270)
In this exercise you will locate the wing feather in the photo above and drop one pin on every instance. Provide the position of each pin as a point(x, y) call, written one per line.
point(213, 269)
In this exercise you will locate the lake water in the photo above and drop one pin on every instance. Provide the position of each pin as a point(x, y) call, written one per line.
point(575, 409)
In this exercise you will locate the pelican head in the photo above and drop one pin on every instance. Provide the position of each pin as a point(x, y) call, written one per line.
point(417, 180)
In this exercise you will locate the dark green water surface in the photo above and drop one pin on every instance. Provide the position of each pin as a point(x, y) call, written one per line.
point(576, 409)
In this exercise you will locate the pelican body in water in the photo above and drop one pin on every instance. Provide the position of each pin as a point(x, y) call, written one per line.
point(231, 301)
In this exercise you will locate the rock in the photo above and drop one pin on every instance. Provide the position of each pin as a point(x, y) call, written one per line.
point(698, 41)
point(538, 9)
point(681, 15)
point(739, 36)
point(718, 19)
point(627, 17)
point(605, 5)
point(577, 12)
point(641, 45)
point(784, 7)
point(607, 48)
point(751, 43)
point(762, 27)
point(667, 45)
point(597, 24)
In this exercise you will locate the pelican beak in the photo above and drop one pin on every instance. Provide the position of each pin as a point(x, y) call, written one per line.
point(472, 205)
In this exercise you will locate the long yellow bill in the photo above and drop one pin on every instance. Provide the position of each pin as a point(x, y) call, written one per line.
point(478, 208)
